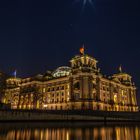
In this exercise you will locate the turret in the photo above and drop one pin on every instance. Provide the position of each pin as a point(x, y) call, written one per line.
point(122, 77)
point(13, 82)
point(83, 62)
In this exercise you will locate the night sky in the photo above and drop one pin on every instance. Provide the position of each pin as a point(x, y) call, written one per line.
point(36, 36)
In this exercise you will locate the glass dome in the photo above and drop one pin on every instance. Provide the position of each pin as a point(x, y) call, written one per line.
point(62, 71)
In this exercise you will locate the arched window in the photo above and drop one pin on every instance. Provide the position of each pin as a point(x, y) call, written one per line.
point(77, 85)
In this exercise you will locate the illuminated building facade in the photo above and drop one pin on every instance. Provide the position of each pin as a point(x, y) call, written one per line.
point(80, 86)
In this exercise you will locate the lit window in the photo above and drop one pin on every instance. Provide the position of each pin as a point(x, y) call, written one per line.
point(44, 90)
point(115, 98)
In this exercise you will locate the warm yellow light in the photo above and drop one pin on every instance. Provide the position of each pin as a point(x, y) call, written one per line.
point(44, 90)
point(45, 105)
point(115, 98)
point(37, 104)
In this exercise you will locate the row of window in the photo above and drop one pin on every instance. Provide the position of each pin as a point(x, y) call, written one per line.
point(105, 88)
point(55, 88)
point(114, 89)
point(57, 100)
point(57, 94)
point(106, 94)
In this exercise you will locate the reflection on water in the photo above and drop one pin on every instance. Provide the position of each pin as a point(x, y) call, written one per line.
point(53, 132)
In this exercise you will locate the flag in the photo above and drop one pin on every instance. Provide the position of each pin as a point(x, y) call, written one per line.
point(15, 73)
point(120, 68)
point(82, 50)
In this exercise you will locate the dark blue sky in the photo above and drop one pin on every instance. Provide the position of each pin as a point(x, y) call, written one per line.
point(39, 35)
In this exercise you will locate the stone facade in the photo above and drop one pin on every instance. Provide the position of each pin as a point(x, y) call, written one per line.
point(80, 86)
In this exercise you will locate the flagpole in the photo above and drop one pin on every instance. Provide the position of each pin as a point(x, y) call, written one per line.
point(84, 49)
point(15, 73)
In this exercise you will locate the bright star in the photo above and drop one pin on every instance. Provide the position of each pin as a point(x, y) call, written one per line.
point(85, 2)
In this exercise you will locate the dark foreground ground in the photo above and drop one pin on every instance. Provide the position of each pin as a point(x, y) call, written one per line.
point(69, 115)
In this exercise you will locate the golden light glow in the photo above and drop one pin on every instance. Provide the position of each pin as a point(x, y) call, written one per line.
point(115, 98)
point(60, 89)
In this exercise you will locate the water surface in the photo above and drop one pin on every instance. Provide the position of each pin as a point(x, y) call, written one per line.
point(68, 131)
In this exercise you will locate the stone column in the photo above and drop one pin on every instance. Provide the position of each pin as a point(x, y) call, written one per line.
point(85, 87)
point(130, 97)
point(112, 92)
point(98, 89)
point(111, 96)
point(135, 98)
point(81, 87)
point(90, 87)
point(71, 97)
